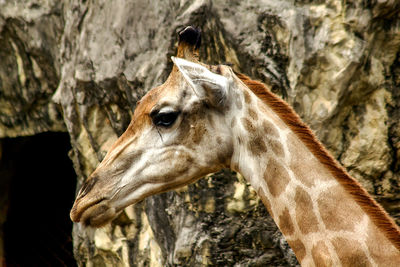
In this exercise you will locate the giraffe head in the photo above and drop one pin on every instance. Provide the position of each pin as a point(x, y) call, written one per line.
point(177, 135)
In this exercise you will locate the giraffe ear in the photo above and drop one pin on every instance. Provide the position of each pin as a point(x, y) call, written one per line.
point(205, 83)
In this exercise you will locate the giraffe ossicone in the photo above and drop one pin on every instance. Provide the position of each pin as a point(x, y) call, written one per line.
point(204, 118)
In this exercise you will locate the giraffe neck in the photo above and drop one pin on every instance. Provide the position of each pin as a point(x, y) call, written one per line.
point(320, 219)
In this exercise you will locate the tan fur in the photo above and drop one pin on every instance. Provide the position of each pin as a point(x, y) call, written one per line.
point(252, 114)
point(276, 148)
point(248, 125)
point(320, 254)
point(299, 247)
point(307, 176)
point(247, 97)
point(335, 210)
point(306, 219)
point(233, 122)
point(298, 172)
point(379, 253)
point(349, 252)
point(257, 145)
point(263, 196)
point(238, 102)
point(269, 129)
point(276, 177)
point(285, 223)
point(140, 118)
point(303, 132)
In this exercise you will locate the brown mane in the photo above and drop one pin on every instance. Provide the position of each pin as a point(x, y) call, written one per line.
point(377, 214)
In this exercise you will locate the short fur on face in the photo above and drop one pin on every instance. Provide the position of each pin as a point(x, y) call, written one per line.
point(149, 158)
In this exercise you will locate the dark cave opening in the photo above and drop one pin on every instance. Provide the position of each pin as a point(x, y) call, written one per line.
point(37, 229)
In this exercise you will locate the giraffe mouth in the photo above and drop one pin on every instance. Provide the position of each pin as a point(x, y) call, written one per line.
point(94, 214)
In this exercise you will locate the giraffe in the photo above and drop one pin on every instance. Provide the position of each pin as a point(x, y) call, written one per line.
point(204, 118)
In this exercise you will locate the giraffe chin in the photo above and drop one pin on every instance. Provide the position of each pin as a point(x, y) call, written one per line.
point(98, 215)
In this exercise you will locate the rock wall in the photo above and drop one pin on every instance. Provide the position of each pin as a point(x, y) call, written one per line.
point(80, 66)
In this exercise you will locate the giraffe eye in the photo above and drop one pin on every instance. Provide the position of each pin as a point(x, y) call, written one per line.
point(164, 119)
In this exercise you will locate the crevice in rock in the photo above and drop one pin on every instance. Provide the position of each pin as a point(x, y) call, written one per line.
point(37, 229)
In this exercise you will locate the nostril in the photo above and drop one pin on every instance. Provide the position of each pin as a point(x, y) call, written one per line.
point(87, 186)
point(99, 200)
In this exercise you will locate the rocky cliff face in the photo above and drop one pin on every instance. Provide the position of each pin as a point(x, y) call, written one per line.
point(80, 66)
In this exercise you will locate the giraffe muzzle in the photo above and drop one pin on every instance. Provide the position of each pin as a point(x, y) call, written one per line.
point(94, 214)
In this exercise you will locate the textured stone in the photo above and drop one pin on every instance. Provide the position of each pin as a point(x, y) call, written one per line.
point(29, 69)
point(80, 66)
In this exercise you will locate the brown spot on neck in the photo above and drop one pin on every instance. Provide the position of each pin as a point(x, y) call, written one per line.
point(276, 177)
point(305, 217)
point(321, 255)
point(298, 248)
point(338, 211)
point(253, 114)
point(277, 148)
point(247, 97)
point(285, 223)
point(269, 129)
point(350, 252)
point(256, 145)
point(249, 126)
